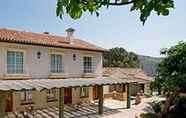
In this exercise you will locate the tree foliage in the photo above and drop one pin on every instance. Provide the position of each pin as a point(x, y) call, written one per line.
point(75, 8)
point(119, 57)
point(171, 72)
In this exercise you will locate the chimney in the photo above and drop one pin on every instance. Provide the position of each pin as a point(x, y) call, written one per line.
point(70, 33)
point(46, 32)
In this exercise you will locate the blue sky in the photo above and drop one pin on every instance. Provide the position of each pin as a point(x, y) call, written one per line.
point(116, 26)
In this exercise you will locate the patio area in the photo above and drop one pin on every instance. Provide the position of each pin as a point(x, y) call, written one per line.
point(112, 109)
point(83, 111)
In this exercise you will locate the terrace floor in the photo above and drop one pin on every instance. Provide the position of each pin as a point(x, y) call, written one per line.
point(83, 111)
point(112, 109)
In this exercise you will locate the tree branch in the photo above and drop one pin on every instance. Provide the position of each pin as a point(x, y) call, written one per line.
point(112, 3)
point(119, 4)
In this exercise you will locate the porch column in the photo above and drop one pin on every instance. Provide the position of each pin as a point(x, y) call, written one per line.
point(128, 96)
point(61, 103)
point(2, 104)
point(100, 96)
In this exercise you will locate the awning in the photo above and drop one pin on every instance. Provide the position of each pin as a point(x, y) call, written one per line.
point(41, 84)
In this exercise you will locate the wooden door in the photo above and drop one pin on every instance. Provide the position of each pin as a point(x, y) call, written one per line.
point(9, 103)
point(68, 95)
point(95, 92)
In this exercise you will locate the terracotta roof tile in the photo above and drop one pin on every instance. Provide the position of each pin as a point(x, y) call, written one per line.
point(126, 73)
point(13, 36)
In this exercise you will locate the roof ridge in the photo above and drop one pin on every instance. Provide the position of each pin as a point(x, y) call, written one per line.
point(37, 33)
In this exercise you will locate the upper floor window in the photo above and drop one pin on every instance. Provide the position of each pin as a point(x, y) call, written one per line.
point(15, 62)
point(56, 63)
point(87, 64)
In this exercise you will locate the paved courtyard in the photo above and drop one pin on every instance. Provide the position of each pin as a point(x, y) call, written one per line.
point(135, 110)
point(112, 109)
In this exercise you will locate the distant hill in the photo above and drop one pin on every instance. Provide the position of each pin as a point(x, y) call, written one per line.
point(148, 64)
point(119, 57)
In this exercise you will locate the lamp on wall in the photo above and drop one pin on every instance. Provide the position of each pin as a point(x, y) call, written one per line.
point(38, 55)
point(74, 57)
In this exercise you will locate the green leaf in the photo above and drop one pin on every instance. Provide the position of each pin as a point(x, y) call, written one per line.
point(76, 8)
point(165, 12)
point(124, 1)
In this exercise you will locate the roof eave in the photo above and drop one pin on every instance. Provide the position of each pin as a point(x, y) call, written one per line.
point(49, 45)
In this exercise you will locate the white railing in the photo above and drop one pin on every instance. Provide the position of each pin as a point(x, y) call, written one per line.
point(56, 69)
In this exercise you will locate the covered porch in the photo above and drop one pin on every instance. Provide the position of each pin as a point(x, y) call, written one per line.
point(60, 111)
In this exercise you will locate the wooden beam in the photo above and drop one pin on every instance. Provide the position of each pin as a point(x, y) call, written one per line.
point(61, 103)
point(2, 104)
point(100, 96)
point(128, 96)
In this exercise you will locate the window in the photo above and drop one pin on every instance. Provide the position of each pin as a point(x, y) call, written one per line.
point(26, 97)
point(51, 94)
point(56, 63)
point(118, 88)
point(87, 64)
point(14, 62)
point(84, 91)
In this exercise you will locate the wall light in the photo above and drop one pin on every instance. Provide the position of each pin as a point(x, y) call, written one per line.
point(38, 55)
point(74, 57)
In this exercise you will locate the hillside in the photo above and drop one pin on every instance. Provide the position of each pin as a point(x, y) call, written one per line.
point(148, 64)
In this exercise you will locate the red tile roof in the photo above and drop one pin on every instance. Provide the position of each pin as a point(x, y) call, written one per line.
point(126, 73)
point(30, 38)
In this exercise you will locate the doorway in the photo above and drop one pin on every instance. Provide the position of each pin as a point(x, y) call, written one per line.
point(95, 92)
point(9, 103)
point(68, 95)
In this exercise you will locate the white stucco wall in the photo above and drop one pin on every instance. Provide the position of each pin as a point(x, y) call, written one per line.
point(2, 65)
point(40, 68)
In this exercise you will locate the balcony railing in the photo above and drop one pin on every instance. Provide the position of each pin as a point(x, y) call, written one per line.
point(89, 71)
point(57, 69)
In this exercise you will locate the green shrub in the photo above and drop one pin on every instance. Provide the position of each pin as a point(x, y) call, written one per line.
point(157, 107)
point(178, 110)
point(148, 115)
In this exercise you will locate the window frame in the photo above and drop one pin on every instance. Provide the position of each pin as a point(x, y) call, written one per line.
point(86, 92)
point(88, 68)
point(49, 92)
point(23, 63)
point(62, 64)
point(28, 97)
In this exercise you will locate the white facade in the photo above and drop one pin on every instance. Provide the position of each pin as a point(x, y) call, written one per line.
point(35, 67)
